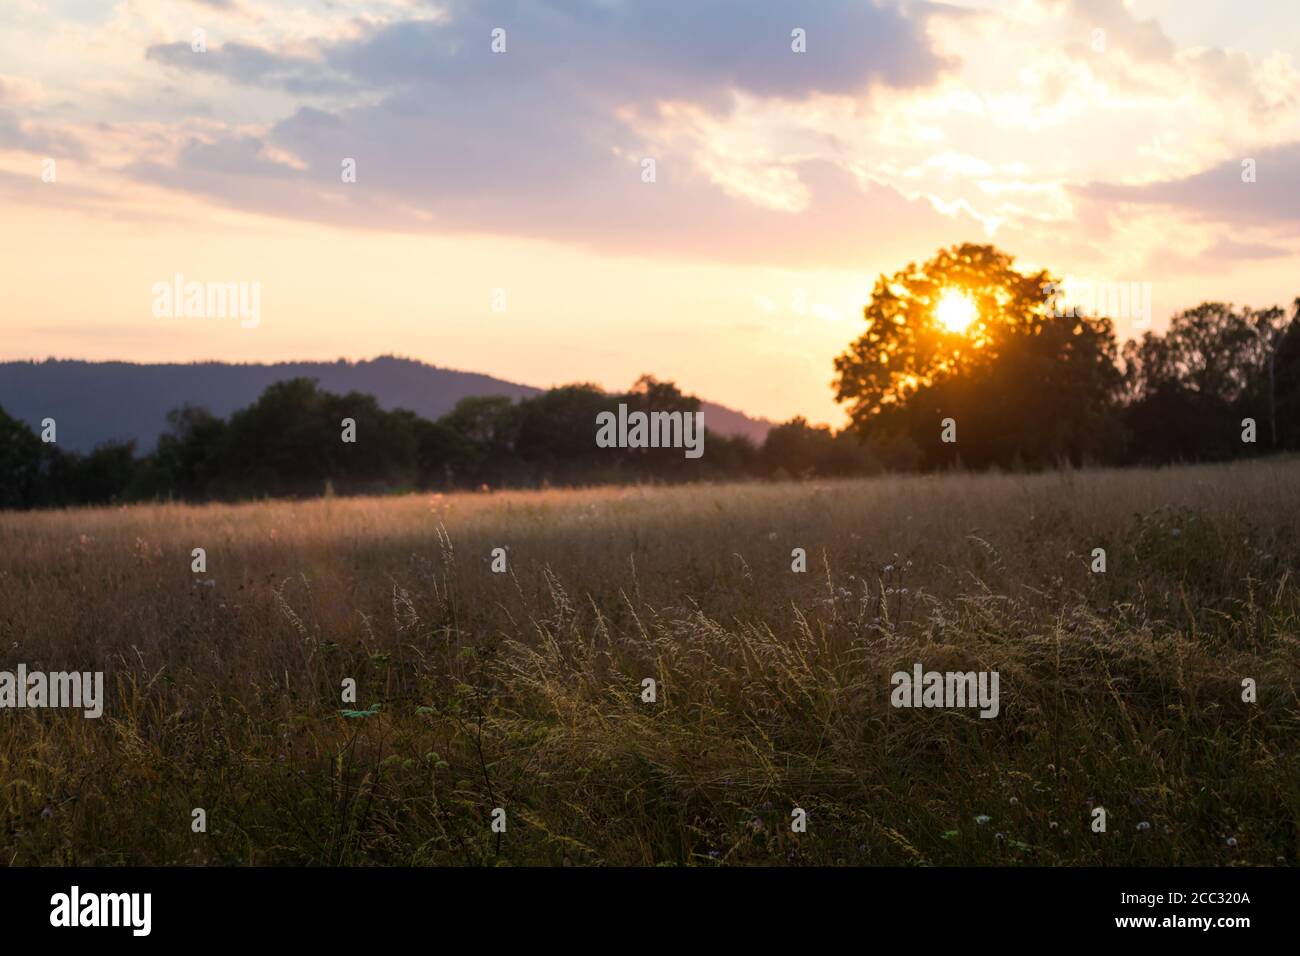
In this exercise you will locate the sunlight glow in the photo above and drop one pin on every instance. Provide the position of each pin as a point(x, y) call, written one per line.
point(955, 311)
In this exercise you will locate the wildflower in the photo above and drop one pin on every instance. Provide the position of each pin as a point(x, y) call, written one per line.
point(1143, 827)
point(983, 819)
point(1232, 841)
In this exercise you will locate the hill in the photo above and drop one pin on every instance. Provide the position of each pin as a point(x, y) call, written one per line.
point(94, 402)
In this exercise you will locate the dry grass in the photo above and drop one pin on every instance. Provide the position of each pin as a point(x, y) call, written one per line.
point(522, 690)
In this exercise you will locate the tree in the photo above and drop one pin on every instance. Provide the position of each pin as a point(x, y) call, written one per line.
point(489, 426)
point(24, 465)
point(905, 345)
point(1189, 388)
point(1286, 377)
point(560, 424)
point(442, 455)
point(290, 442)
point(182, 462)
point(101, 477)
point(650, 395)
point(1026, 383)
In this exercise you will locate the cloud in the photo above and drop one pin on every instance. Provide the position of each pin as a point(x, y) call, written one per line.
point(608, 209)
point(16, 133)
point(1219, 194)
point(934, 115)
point(666, 50)
point(252, 66)
point(1224, 249)
point(547, 139)
point(19, 91)
point(66, 193)
point(1143, 40)
point(692, 49)
point(1220, 257)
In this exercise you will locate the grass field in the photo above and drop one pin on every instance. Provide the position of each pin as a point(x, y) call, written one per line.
point(523, 690)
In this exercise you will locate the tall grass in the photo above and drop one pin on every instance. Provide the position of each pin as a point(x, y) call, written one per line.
point(523, 690)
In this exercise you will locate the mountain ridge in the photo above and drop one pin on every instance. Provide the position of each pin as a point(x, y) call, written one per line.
point(95, 402)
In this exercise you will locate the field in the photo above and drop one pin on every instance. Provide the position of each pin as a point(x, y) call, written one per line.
point(523, 690)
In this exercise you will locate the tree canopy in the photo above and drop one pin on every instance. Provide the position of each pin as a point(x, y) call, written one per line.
point(1028, 384)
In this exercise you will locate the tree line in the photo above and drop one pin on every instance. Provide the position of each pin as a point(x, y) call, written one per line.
point(291, 443)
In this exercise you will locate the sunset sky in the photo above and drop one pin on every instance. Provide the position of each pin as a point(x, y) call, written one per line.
point(1097, 138)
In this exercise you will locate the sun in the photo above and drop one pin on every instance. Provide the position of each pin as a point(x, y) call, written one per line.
point(955, 311)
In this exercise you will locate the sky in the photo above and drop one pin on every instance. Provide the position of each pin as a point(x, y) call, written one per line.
point(668, 187)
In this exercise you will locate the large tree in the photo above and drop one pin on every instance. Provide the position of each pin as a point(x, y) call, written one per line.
point(967, 336)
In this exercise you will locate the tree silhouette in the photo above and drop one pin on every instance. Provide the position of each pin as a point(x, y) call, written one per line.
point(1189, 388)
point(1026, 384)
point(24, 465)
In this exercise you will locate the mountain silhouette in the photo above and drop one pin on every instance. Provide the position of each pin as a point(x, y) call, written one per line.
point(95, 402)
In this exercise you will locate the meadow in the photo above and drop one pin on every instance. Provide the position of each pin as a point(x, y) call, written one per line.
point(523, 690)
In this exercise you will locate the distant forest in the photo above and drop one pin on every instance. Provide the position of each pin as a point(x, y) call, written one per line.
point(1177, 397)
